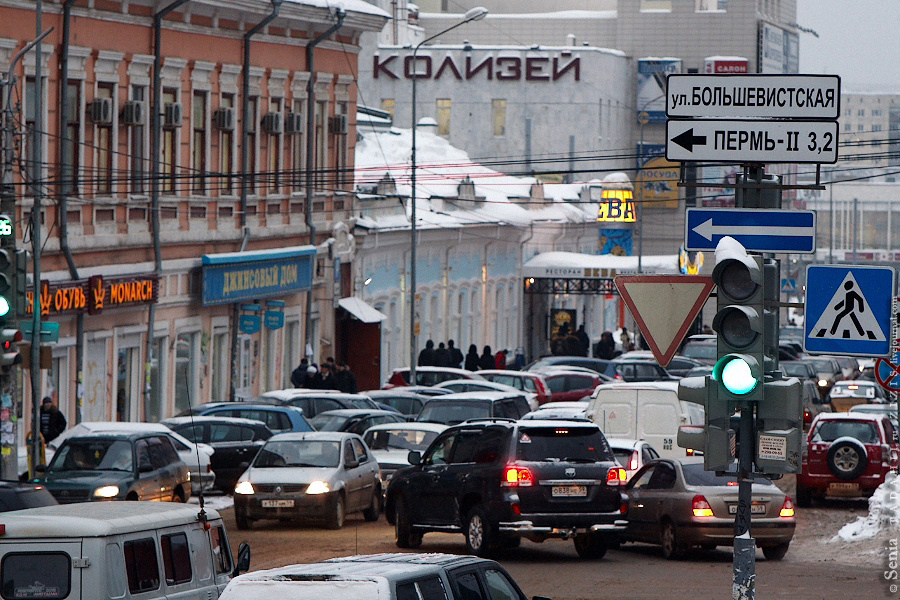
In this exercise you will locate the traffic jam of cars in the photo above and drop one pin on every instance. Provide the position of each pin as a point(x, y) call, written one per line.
point(568, 448)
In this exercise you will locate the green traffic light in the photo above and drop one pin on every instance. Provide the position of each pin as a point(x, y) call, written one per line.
point(736, 376)
point(4, 306)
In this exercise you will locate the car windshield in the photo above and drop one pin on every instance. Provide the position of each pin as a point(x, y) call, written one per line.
point(93, 455)
point(828, 431)
point(399, 439)
point(299, 453)
point(852, 390)
point(794, 369)
point(824, 366)
point(623, 455)
point(453, 413)
point(360, 402)
point(326, 422)
point(694, 474)
point(563, 444)
point(700, 351)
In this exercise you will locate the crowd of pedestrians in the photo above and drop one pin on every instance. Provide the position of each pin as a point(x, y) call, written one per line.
point(327, 376)
point(451, 356)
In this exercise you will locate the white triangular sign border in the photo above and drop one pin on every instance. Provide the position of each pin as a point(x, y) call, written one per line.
point(865, 319)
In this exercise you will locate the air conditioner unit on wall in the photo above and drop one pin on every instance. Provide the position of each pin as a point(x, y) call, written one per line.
point(133, 112)
point(172, 114)
point(101, 111)
point(272, 123)
point(224, 118)
point(293, 123)
point(338, 124)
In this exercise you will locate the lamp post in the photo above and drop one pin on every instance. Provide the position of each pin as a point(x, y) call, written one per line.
point(473, 14)
point(643, 118)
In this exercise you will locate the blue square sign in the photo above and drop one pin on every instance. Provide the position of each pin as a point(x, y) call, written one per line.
point(848, 310)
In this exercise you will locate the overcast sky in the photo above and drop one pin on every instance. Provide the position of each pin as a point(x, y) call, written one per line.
point(858, 40)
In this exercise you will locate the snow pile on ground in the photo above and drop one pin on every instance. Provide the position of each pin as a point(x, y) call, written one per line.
point(884, 507)
point(214, 502)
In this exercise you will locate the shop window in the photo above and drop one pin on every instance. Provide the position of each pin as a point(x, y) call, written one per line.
point(443, 116)
point(498, 114)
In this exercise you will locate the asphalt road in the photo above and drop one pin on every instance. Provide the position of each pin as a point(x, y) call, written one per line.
point(813, 568)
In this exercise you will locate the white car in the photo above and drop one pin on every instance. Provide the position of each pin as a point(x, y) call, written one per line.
point(558, 410)
point(632, 454)
point(391, 443)
point(195, 456)
point(458, 386)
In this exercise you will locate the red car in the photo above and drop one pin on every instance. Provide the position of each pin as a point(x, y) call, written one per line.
point(532, 384)
point(571, 386)
point(427, 376)
point(846, 455)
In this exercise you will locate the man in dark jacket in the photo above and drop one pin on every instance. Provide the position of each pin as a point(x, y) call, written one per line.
point(456, 355)
point(442, 356)
point(328, 381)
point(426, 356)
point(487, 359)
point(346, 380)
point(53, 422)
point(584, 339)
point(298, 374)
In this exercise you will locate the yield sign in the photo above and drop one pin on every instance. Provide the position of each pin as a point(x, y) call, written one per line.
point(664, 306)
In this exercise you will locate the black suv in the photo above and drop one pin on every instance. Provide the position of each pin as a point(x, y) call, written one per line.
point(498, 480)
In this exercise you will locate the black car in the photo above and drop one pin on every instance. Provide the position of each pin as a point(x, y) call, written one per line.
point(406, 403)
point(454, 409)
point(235, 441)
point(354, 420)
point(116, 466)
point(314, 402)
point(599, 365)
point(637, 370)
point(497, 481)
point(16, 495)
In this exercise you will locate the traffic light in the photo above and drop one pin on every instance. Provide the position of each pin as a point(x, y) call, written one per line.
point(716, 438)
point(7, 285)
point(9, 349)
point(779, 427)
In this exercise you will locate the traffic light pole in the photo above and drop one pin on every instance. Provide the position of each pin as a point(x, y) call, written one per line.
point(744, 561)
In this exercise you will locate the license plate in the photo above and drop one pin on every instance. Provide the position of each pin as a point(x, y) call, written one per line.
point(755, 509)
point(569, 491)
point(843, 487)
point(278, 503)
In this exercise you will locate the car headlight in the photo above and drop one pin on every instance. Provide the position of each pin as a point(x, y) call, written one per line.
point(189, 476)
point(107, 491)
point(318, 487)
point(244, 487)
point(822, 383)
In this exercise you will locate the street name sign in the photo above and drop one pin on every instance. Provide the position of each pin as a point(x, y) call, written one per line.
point(752, 141)
point(848, 310)
point(664, 307)
point(762, 96)
point(757, 229)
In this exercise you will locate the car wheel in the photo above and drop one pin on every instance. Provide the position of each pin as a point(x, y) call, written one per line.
point(336, 520)
point(804, 496)
point(480, 537)
point(671, 549)
point(374, 511)
point(241, 520)
point(846, 459)
point(590, 545)
point(178, 496)
point(403, 532)
point(775, 552)
point(132, 497)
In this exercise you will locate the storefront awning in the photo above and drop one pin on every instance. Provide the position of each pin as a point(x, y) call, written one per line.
point(362, 310)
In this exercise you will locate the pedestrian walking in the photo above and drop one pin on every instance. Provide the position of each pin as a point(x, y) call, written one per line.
point(456, 355)
point(426, 356)
point(442, 356)
point(346, 380)
point(328, 381)
point(472, 358)
point(584, 339)
point(487, 359)
point(313, 377)
point(500, 360)
point(606, 347)
point(298, 374)
point(53, 422)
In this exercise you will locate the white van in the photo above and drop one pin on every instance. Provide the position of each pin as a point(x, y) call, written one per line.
point(89, 550)
point(649, 411)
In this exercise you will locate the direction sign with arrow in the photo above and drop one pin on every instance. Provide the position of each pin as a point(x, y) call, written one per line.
point(758, 230)
point(755, 141)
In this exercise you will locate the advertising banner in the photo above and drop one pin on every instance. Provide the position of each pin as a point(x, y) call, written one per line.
point(656, 182)
point(651, 87)
point(725, 65)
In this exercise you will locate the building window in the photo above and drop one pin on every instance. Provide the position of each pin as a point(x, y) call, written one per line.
point(138, 168)
point(656, 5)
point(498, 113)
point(198, 142)
point(250, 176)
point(155, 411)
point(298, 148)
point(443, 116)
point(847, 127)
point(387, 104)
point(104, 167)
point(876, 112)
point(222, 367)
point(861, 112)
point(876, 127)
point(72, 139)
point(226, 151)
point(273, 151)
point(340, 144)
point(321, 144)
point(860, 127)
point(168, 167)
point(185, 371)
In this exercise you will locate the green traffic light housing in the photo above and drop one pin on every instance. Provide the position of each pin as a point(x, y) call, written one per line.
point(739, 374)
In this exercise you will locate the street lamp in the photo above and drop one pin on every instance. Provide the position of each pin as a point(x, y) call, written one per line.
point(473, 14)
point(643, 118)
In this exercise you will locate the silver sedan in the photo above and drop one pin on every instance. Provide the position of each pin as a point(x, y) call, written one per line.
point(318, 476)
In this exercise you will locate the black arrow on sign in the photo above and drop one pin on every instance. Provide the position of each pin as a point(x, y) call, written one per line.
point(687, 140)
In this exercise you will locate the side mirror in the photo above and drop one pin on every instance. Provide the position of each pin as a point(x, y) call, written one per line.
point(414, 457)
point(351, 464)
point(40, 468)
point(145, 467)
point(243, 561)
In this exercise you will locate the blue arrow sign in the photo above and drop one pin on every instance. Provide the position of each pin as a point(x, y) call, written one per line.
point(848, 310)
point(757, 229)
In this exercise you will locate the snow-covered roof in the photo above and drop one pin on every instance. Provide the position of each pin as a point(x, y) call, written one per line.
point(358, 6)
point(570, 264)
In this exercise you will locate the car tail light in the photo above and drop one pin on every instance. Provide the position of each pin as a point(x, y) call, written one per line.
point(688, 451)
point(209, 468)
point(700, 507)
point(517, 477)
point(539, 387)
point(616, 476)
point(623, 508)
point(633, 461)
point(807, 416)
point(787, 508)
point(618, 377)
point(2, 529)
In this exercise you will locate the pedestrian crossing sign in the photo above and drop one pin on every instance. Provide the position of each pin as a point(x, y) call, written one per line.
point(848, 310)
